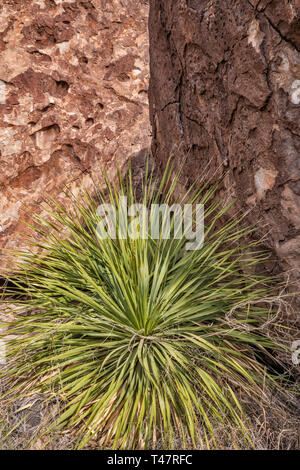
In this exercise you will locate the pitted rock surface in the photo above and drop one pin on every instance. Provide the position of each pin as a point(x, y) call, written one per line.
point(73, 96)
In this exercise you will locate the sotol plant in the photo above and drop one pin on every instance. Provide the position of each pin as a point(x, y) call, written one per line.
point(144, 343)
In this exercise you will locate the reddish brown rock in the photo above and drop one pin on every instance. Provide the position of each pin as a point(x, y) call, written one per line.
point(225, 90)
point(73, 95)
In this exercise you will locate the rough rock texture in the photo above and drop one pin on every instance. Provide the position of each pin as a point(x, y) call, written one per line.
point(225, 89)
point(73, 96)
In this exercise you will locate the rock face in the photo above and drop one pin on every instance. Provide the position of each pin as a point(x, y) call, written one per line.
point(225, 90)
point(73, 96)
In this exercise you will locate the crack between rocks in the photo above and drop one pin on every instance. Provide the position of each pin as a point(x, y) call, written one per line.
point(267, 5)
point(262, 12)
point(234, 111)
point(290, 180)
point(169, 104)
point(193, 120)
point(257, 6)
point(122, 97)
point(279, 32)
point(249, 3)
point(180, 112)
point(179, 85)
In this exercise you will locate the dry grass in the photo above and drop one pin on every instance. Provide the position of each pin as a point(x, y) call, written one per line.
point(274, 426)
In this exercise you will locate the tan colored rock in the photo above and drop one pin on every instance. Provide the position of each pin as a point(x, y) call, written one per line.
point(264, 181)
point(73, 96)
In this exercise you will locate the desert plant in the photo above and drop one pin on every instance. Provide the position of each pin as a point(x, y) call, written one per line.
point(143, 342)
